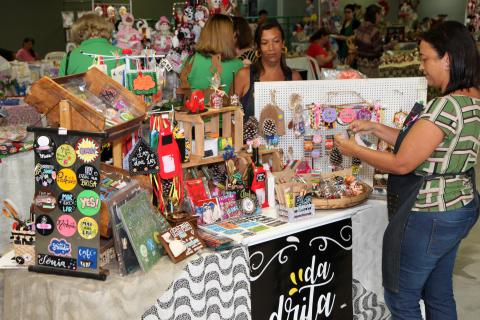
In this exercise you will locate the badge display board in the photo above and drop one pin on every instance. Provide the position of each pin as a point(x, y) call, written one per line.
point(67, 202)
point(306, 275)
point(392, 94)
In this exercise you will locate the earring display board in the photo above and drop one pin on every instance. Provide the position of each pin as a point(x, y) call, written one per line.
point(391, 94)
point(67, 202)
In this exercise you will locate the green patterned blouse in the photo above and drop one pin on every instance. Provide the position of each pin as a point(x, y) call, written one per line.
point(458, 116)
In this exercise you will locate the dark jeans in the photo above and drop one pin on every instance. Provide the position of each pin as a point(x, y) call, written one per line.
point(428, 254)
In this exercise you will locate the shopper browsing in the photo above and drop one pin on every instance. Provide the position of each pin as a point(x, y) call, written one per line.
point(93, 33)
point(215, 55)
point(26, 53)
point(432, 197)
point(270, 64)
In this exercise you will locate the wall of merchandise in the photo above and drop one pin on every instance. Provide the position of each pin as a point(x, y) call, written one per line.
point(392, 95)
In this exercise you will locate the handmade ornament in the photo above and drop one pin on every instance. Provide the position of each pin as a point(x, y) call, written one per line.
point(269, 130)
point(297, 124)
point(215, 6)
point(315, 116)
point(274, 113)
point(111, 13)
point(329, 115)
point(336, 158)
point(250, 130)
point(346, 116)
point(196, 102)
point(216, 97)
point(143, 29)
point(142, 160)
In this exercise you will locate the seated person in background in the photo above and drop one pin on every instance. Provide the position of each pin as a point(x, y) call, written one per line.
point(26, 53)
point(321, 50)
point(215, 52)
point(244, 41)
point(93, 33)
point(270, 66)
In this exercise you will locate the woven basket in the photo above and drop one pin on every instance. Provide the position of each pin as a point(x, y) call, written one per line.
point(343, 202)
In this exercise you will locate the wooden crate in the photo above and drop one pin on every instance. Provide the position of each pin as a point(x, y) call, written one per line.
point(201, 125)
point(47, 94)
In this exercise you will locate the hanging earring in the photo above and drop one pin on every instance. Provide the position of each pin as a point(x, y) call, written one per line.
point(257, 54)
point(285, 50)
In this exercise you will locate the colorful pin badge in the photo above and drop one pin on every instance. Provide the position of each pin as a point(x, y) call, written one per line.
point(66, 179)
point(66, 225)
point(45, 174)
point(44, 225)
point(87, 228)
point(87, 258)
point(88, 203)
point(346, 116)
point(87, 149)
point(45, 200)
point(88, 176)
point(44, 147)
point(364, 114)
point(65, 155)
point(67, 203)
point(60, 247)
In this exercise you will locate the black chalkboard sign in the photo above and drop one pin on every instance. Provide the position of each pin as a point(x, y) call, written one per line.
point(306, 275)
point(142, 159)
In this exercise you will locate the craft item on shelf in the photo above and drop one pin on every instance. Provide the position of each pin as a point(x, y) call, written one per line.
point(143, 224)
point(22, 234)
point(364, 114)
point(339, 191)
point(162, 38)
point(356, 165)
point(229, 205)
point(181, 242)
point(307, 145)
point(200, 17)
point(258, 184)
point(142, 82)
point(196, 102)
point(142, 159)
point(234, 178)
point(336, 159)
point(250, 131)
point(208, 211)
point(270, 130)
point(275, 114)
point(329, 141)
point(215, 241)
point(68, 17)
point(346, 116)
point(127, 36)
point(216, 97)
point(297, 124)
point(215, 6)
point(169, 163)
point(316, 120)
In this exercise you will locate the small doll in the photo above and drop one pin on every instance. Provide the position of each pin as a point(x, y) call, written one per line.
point(127, 36)
point(162, 39)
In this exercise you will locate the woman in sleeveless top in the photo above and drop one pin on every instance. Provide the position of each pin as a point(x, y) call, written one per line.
point(431, 197)
point(270, 66)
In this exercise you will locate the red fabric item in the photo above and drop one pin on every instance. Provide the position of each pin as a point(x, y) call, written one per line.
point(316, 50)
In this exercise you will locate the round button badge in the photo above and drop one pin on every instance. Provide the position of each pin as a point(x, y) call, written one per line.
point(44, 225)
point(45, 174)
point(67, 203)
point(66, 179)
point(87, 228)
point(45, 200)
point(44, 147)
point(66, 225)
point(88, 176)
point(65, 155)
point(87, 149)
point(88, 203)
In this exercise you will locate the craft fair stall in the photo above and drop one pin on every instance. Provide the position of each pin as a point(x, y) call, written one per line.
point(255, 215)
point(345, 244)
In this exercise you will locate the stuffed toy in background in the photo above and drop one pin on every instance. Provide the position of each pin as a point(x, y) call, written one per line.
point(127, 36)
point(162, 39)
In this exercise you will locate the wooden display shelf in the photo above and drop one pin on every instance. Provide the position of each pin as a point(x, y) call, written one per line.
point(196, 161)
point(65, 109)
point(198, 123)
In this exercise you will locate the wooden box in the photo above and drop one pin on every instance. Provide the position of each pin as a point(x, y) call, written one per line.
point(47, 94)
